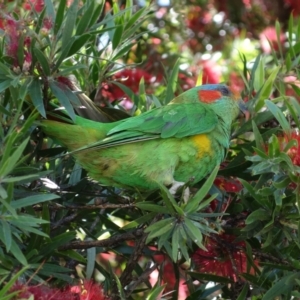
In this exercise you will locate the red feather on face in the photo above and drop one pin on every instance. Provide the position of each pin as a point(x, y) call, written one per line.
point(207, 96)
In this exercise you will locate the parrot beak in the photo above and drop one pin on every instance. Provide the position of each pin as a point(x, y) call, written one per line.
point(244, 110)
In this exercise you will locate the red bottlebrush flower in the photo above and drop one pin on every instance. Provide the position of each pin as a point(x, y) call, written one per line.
point(47, 23)
point(2, 23)
point(294, 5)
point(37, 5)
point(231, 185)
point(268, 39)
point(27, 62)
point(88, 291)
point(291, 80)
point(11, 27)
point(40, 292)
point(168, 277)
point(236, 83)
point(294, 151)
point(247, 3)
point(224, 257)
point(198, 18)
point(13, 30)
point(186, 82)
point(211, 72)
point(65, 81)
point(130, 78)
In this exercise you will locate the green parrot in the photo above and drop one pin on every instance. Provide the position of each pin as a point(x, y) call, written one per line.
point(170, 145)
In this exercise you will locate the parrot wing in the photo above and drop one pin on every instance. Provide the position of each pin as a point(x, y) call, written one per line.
point(174, 120)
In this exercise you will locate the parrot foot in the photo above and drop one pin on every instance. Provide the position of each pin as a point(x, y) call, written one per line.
point(178, 184)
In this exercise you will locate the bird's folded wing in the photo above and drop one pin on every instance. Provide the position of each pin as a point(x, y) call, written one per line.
point(175, 120)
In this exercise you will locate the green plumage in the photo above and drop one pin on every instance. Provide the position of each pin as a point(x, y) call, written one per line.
point(182, 141)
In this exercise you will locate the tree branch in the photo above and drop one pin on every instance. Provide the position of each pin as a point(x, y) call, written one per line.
point(127, 275)
point(110, 242)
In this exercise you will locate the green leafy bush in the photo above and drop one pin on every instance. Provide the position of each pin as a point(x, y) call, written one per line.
point(236, 237)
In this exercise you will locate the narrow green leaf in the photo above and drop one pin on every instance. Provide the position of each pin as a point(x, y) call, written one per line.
point(59, 92)
point(122, 51)
point(39, 23)
point(266, 89)
point(193, 203)
point(35, 93)
point(17, 253)
point(117, 36)
point(128, 92)
point(250, 189)
point(64, 53)
point(175, 243)
point(142, 220)
point(260, 144)
point(23, 179)
point(69, 70)
point(293, 110)
point(182, 244)
point(206, 202)
point(3, 193)
point(155, 292)
point(8, 285)
point(7, 235)
point(4, 69)
point(59, 16)
point(142, 92)
point(257, 215)
point(91, 260)
point(172, 82)
point(278, 34)
point(78, 43)
point(288, 62)
point(279, 288)
point(160, 227)
point(278, 114)
point(290, 29)
point(43, 61)
point(163, 241)
point(13, 160)
point(4, 84)
point(139, 15)
point(193, 232)
point(32, 200)
point(151, 207)
point(70, 24)
point(57, 241)
point(169, 200)
point(26, 219)
point(259, 75)
point(23, 91)
point(73, 255)
point(244, 292)
point(85, 19)
point(50, 9)
point(97, 13)
point(120, 288)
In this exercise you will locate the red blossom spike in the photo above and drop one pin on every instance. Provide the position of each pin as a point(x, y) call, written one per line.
point(89, 290)
point(221, 260)
point(229, 185)
point(37, 5)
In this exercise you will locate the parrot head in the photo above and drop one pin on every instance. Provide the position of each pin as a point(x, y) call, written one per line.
point(223, 100)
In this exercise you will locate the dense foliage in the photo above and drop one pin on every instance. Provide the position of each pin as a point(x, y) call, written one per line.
point(63, 235)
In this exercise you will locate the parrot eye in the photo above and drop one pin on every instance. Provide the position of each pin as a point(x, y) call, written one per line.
point(225, 90)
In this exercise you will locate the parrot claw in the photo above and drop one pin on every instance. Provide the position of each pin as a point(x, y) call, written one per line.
point(174, 188)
